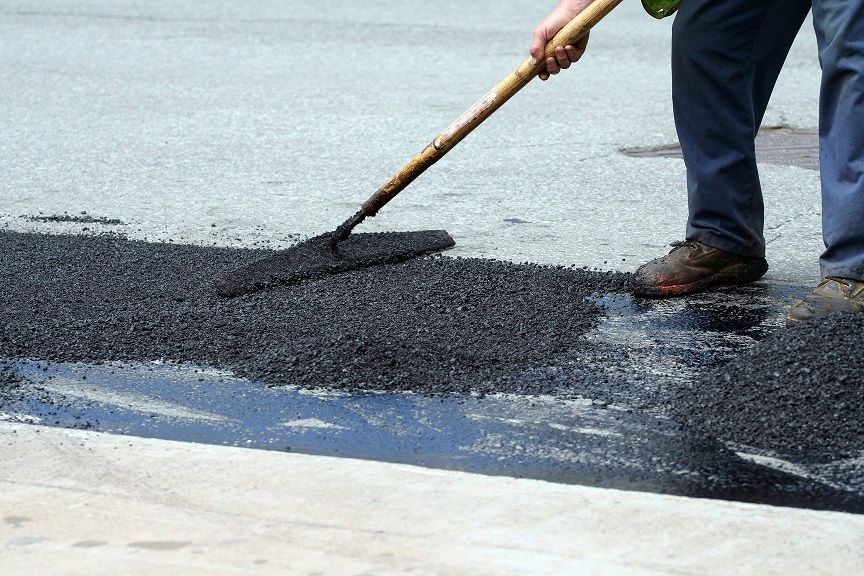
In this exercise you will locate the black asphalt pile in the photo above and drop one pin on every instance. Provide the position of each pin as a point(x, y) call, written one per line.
point(432, 325)
point(317, 257)
point(799, 391)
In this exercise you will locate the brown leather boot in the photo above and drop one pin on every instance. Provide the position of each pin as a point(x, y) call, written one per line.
point(831, 295)
point(693, 267)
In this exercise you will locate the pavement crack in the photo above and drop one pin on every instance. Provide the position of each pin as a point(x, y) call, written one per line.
point(786, 221)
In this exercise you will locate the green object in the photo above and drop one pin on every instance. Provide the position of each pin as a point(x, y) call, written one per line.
point(661, 8)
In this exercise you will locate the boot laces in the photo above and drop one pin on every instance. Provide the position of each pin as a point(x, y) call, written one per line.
point(844, 281)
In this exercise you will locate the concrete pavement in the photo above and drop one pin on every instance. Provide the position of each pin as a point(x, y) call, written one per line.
point(84, 503)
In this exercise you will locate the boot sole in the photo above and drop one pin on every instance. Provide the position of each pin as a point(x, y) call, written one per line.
point(743, 273)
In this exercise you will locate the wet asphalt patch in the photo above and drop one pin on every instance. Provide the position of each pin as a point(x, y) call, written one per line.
point(576, 441)
point(522, 370)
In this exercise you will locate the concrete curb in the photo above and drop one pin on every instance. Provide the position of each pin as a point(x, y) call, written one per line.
point(78, 502)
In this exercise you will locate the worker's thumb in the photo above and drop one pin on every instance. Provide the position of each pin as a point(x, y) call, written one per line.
point(538, 43)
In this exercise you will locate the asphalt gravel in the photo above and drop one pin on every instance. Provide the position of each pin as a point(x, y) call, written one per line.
point(434, 324)
point(799, 391)
point(430, 325)
point(82, 218)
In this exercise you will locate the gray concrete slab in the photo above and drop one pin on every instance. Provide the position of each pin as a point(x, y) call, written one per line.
point(83, 503)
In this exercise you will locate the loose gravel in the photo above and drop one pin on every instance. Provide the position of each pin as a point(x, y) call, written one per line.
point(799, 391)
point(82, 218)
point(428, 325)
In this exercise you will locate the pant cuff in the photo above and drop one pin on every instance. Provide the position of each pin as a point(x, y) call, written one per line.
point(723, 243)
point(851, 272)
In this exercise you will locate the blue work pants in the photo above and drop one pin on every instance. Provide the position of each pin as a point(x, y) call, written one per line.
point(726, 56)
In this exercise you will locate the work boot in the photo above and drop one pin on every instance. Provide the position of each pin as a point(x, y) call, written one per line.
point(691, 267)
point(831, 295)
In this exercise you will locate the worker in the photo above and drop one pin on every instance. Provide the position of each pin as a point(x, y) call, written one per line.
point(726, 56)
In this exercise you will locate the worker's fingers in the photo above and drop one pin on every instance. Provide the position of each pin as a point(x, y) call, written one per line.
point(581, 45)
point(572, 53)
point(544, 76)
point(562, 58)
point(552, 66)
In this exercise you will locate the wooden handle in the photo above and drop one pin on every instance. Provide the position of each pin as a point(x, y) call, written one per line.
point(486, 106)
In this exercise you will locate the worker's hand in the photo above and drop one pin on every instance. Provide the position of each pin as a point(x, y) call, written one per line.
point(551, 24)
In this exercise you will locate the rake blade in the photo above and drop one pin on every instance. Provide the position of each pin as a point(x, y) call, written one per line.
point(315, 257)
